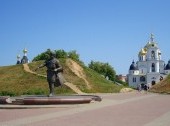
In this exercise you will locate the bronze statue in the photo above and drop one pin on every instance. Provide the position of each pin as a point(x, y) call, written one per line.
point(54, 70)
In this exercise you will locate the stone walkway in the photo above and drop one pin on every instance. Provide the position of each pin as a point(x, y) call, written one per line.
point(122, 109)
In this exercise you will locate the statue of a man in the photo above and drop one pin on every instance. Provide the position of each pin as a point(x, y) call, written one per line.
point(53, 70)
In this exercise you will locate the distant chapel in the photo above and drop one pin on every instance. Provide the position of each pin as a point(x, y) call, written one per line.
point(149, 69)
point(24, 58)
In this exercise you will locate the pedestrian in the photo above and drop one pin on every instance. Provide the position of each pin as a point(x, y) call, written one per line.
point(139, 88)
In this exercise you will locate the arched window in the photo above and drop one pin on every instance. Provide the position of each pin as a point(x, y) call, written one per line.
point(153, 54)
point(153, 67)
point(142, 79)
point(140, 58)
point(134, 79)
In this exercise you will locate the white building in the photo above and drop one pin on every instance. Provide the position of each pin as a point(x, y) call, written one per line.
point(24, 58)
point(149, 69)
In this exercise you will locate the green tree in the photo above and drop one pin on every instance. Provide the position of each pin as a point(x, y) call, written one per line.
point(73, 55)
point(96, 66)
point(43, 56)
point(104, 69)
point(61, 53)
point(110, 72)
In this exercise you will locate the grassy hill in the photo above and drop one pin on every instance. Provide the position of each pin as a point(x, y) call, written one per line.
point(15, 81)
point(162, 87)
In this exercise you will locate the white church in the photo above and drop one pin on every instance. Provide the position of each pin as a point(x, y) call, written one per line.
point(149, 69)
point(24, 58)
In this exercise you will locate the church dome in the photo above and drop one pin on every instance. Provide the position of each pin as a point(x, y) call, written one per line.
point(132, 66)
point(142, 52)
point(25, 50)
point(18, 56)
point(168, 66)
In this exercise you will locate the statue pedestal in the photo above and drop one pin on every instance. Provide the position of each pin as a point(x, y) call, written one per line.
point(45, 100)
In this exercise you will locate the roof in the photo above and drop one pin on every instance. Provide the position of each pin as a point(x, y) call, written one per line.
point(168, 66)
point(133, 66)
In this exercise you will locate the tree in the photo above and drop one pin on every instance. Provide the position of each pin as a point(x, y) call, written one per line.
point(73, 55)
point(104, 69)
point(110, 72)
point(61, 53)
point(96, 66)
point(43, 56)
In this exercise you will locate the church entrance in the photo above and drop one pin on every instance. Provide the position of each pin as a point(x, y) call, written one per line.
point(142, 86)
point(153, 83)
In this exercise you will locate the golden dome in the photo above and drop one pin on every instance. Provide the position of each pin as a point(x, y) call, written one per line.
point(143, 51)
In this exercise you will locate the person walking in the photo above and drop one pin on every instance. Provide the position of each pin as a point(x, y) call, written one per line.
point(139, 88)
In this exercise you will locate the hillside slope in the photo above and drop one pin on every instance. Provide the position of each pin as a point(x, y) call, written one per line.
point(162, 87)
point(15, 81)
point(84, 78)
point(70, 85)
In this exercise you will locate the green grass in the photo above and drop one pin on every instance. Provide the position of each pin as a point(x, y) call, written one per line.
point(99, 83)
point(15, 81)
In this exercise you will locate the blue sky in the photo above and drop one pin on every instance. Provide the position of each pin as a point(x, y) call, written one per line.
point(110, 31)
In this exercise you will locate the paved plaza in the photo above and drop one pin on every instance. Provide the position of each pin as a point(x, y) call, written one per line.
point(121, 109)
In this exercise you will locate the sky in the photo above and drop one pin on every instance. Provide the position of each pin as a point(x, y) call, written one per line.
point(112, 31)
